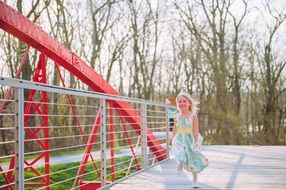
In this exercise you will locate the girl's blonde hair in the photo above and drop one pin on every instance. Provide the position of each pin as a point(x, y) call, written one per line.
point(194, 104)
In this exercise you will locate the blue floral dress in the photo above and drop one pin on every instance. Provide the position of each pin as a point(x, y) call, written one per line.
point(183, 148)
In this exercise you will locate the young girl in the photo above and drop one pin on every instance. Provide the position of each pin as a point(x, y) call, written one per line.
point(186, 140)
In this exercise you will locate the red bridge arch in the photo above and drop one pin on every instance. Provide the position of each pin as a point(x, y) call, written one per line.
point(19, 26)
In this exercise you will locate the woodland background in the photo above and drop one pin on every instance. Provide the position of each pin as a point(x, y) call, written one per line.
point(229, 54)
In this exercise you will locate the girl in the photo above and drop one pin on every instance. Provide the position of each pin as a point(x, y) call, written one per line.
point(186, 140)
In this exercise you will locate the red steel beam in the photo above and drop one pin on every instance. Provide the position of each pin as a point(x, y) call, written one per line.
point(22, 28)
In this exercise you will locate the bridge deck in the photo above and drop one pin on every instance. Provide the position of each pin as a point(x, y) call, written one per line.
point(231, 167)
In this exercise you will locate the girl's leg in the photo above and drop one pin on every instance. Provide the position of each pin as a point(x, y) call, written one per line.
point(195, 180)
point(180, 168)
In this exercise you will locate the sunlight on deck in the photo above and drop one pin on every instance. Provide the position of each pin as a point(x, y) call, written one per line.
point(231, 167)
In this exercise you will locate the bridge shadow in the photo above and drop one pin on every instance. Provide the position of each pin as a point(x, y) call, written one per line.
point(165, 174)
point(230, 167)
point(235, 167)
point(234, 173)
point(246, 165)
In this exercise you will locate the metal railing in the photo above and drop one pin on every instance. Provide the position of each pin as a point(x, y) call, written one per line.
point(55, 137)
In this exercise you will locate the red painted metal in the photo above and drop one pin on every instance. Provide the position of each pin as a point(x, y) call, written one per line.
point(90, 185)
point(130, 144)
point(41, 107)
point(9, 91)
point(88, 149)
point(16, 24)
point(77, 119)
point(86, 185)
point(6, 97)
point(22, 28)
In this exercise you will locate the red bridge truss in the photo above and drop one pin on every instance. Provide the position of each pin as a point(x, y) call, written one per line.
point(19, 26)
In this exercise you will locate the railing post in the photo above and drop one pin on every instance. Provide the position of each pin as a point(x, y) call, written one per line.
point(19, 138)
point(143, 113)
point(167, 132)
point(103, 140)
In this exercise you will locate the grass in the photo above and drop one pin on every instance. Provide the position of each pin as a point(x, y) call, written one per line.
point(59, 153)
point(57, 176)
point(52, 154)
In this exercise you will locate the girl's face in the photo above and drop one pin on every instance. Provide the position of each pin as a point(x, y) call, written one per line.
point(183, 103)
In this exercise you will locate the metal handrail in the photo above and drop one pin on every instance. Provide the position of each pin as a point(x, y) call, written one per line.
point(148, 122)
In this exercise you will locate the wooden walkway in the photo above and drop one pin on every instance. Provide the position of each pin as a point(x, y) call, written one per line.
point(231, 167)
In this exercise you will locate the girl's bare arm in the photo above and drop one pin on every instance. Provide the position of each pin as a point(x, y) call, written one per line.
point(196, 128)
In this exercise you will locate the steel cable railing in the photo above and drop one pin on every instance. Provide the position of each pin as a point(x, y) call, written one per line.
point(75, 142)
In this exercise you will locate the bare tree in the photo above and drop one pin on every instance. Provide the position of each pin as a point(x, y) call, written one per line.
point(236, 86)
point(101, 17)
point(33, 14)
point(145, 39)
point(117, 49)
point(271, 70)
point(214, 43)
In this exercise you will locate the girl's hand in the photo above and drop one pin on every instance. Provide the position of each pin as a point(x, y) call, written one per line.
point(170, 140)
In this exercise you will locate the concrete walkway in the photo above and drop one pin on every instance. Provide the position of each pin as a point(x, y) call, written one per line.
point(231, 167)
